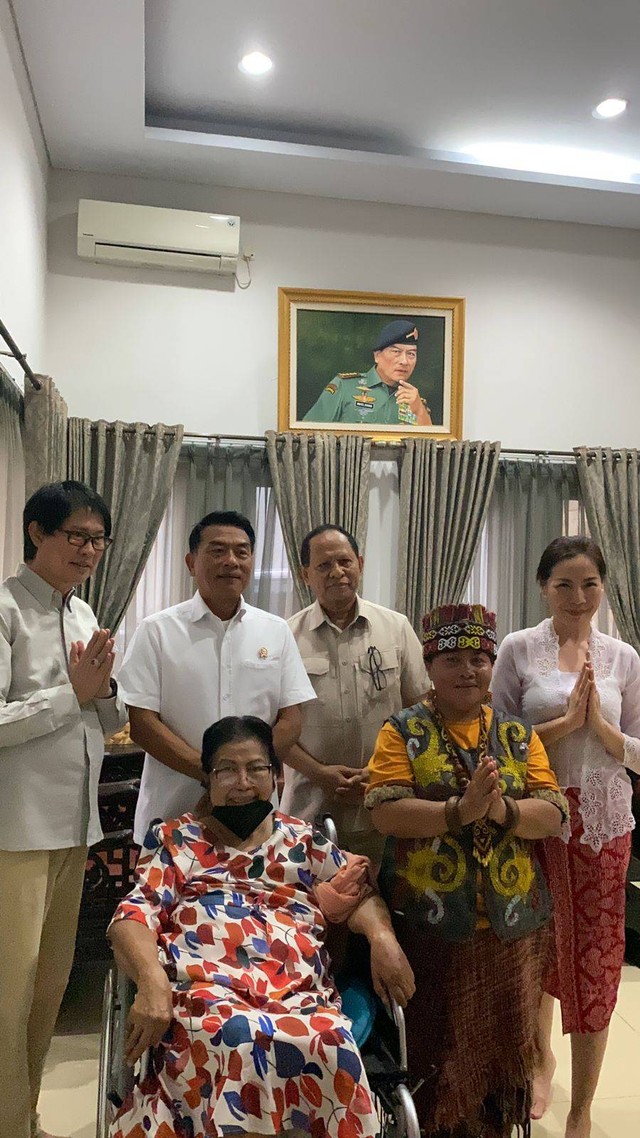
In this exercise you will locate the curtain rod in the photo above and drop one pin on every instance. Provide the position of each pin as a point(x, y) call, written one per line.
point(382, 443)
point(19, 356)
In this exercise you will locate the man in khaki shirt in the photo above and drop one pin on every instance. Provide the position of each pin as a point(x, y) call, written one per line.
point(365, 663)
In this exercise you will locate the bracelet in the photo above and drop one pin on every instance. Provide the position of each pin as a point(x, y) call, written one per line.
point(512, 815)
point(452, 815)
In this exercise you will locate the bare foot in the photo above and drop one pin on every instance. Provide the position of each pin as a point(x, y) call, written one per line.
point(578, 1125)
point(542, 1091)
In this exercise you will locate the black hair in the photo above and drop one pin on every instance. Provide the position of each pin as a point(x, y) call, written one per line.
point(563, 549)
point(221, 518)
point(235, 729)
point(52, 504)
point(305, 548)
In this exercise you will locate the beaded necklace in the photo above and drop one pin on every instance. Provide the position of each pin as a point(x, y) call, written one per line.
point(483, 831)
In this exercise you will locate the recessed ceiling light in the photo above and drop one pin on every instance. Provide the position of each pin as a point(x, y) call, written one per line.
point(255, 63)
point(610, 108)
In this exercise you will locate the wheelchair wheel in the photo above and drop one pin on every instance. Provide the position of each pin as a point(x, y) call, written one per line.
point(396, 1112)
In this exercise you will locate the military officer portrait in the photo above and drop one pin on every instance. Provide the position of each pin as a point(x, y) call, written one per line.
point(383, 395)
point(380, 364)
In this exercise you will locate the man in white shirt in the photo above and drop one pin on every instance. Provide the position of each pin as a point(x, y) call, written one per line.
point(204, 659)
point(57, 701)
point(365, 664)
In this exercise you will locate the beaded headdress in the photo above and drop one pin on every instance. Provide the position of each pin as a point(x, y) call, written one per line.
point(450, 627)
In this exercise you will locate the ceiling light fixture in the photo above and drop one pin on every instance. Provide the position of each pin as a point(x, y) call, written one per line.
point(567, 161)
point(610, 108)
point(255, 63)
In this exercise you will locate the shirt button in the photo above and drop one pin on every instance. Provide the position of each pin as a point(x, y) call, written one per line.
point(344, 663)
point(225, 698)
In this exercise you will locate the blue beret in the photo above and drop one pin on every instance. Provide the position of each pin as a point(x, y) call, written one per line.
point(397, 332)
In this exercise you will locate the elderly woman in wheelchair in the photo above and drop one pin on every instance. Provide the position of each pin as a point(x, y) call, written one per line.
point(223, 938)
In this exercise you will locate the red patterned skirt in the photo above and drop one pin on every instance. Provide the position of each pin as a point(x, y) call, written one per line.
point(588, 890)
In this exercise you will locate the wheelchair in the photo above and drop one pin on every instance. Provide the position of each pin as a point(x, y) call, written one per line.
point(383, 1051)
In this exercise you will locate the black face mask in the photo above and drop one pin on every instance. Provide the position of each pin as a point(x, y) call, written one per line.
point(243, 820)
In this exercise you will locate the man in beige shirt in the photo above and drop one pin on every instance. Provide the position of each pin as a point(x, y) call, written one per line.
point(365, 663)
point(57, 701)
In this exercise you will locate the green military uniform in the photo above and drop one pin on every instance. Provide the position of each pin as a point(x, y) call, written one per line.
point(360, 397)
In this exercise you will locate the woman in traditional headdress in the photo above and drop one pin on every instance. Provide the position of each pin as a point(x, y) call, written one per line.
point(464, 791)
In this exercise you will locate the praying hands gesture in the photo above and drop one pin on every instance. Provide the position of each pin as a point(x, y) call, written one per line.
point(482, 794)
point(90, 667)
point(580, 698)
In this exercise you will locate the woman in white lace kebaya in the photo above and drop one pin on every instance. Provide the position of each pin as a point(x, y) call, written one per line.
point(581, 691)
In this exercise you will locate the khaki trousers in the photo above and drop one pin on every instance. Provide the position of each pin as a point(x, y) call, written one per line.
point(40, 894)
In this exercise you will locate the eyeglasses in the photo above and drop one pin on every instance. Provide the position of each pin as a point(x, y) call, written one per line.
point(78, 538)
point(375, 668)
point(226, 776)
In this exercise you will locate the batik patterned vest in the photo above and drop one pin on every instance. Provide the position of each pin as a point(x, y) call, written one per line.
point(435, 882)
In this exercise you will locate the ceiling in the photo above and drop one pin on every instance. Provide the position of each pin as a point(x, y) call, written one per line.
point(367, 100)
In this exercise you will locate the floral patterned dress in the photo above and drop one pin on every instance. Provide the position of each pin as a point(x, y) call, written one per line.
point(259, 1042)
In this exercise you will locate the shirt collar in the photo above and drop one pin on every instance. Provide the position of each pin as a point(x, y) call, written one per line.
point(200, 609)
point(373, 380)
point(318, 616)
point(43, 592)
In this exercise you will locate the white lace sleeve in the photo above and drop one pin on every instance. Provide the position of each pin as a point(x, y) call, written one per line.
point(630, 714)
point(632, 754)
point(506, 688)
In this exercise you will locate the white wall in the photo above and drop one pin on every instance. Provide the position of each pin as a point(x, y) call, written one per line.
point(23, 178)
point(553, 335)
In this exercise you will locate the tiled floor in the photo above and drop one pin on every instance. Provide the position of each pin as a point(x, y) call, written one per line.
point(68, 1100)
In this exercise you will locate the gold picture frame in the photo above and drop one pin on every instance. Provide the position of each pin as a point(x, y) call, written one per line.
point(318, 330)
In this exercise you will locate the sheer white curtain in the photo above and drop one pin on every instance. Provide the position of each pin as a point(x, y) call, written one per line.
point(379, 576)
point(12, 474)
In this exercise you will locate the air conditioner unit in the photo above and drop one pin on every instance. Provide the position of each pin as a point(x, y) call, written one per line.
point(121, 234)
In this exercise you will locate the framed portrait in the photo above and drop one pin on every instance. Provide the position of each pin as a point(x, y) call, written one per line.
point(374, 363)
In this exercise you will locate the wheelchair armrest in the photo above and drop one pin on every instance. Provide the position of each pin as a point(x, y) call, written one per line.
point(329, 828)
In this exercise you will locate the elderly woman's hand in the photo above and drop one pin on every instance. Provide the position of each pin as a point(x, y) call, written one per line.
point(391, 972)
point(150, 1015)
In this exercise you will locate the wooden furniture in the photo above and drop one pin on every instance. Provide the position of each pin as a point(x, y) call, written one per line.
point(110, 864)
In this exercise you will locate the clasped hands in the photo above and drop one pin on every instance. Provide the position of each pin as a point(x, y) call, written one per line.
point(483, 797)
point(90, 666)
point(584, 701)
point(344, 783)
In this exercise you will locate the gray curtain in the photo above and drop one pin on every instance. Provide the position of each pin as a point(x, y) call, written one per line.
point(132, 465)
point(445, 489)
point(232, 477)
point(45, 434)
point(319, 478)
point(610, 488)
point(12, 474)
point(527, 510)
